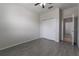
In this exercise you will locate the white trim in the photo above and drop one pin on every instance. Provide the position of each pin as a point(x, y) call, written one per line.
point(16, 44)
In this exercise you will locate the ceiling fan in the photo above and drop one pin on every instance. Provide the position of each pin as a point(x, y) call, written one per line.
point(43, 5)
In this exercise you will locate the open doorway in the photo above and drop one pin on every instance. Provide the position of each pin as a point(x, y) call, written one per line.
point(70, 30)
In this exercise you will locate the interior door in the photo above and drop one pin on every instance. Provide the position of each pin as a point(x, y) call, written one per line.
point(73, 31)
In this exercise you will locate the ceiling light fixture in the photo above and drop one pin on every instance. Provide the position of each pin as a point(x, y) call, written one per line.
point(43, 5)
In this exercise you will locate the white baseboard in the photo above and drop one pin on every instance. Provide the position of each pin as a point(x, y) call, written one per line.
point(16, 44)
point(50, 39)
point(22, 43)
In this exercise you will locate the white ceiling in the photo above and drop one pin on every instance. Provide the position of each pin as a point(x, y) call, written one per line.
point(38, 9)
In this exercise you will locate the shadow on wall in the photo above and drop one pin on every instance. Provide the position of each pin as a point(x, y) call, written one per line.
point(17, 25)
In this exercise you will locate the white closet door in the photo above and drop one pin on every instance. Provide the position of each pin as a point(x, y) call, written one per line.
point(49, 29)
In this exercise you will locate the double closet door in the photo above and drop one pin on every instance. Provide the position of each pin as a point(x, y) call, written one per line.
point(49, 29)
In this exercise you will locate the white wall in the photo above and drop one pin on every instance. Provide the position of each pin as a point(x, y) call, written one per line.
point(17, 25)
point(78, 26)
point(48, 26)
point(68, 27)
point(70, 11)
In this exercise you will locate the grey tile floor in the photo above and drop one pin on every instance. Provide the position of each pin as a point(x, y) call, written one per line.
point(41, 47)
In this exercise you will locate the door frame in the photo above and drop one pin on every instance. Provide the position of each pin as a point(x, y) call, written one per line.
point(63, 29)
